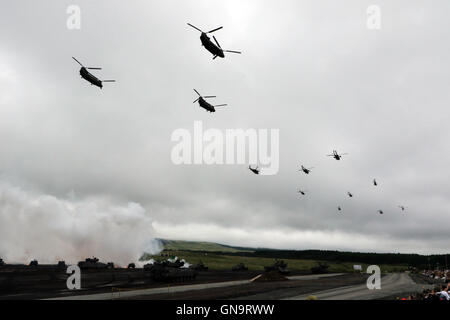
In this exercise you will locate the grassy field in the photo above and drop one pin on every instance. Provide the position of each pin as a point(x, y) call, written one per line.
point(222, 261)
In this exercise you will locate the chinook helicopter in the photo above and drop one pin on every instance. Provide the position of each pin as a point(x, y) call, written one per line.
point(375, 183)
point(350, 194)
point(85, 74)
point(216, 50)
point(205, 105)
point(402, 207)
point(303, 193)
point(336, 155)
point(306, 170)
point(254, 170)
point(380, 211)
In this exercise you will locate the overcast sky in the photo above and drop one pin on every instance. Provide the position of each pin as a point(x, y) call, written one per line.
point(91, 168)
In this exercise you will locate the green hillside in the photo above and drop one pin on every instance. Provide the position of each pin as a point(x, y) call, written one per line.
point(179, 245)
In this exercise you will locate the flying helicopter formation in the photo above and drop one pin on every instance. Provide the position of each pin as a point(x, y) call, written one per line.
point(217, 51)
point(338, 157)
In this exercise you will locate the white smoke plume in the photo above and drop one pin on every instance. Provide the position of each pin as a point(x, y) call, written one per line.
point(49, 229)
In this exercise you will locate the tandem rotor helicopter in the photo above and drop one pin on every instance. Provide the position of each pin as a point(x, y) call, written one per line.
point(85, 74)
point(206, 105)
point(216, 50)
point(336, 156)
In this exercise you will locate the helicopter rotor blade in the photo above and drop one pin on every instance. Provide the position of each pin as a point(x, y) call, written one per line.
point(217, 42)
point(197, 93)
point(209, 97)
point(221, 105)
point(195, 27)
point(78, 61)
point(214, 30)
point(232, 51)
point(108, 80)
point(196, 100)
point(92, 68)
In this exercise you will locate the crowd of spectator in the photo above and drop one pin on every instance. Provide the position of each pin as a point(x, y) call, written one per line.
point(439, 292)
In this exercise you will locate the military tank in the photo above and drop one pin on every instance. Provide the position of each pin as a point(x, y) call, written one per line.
point(94, 264)
point(167, 271)
point(239, 267)
point(320, 268)
point(199, 267)
point(34, 263)
point(280, 266)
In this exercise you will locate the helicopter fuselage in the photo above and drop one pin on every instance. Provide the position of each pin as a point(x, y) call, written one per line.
point(90, 78)
point(205, 105)
point(211, 46)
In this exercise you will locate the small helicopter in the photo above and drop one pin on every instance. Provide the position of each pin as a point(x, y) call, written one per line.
point(339, 208)
point(350, 194)
point(302, 192)
point(306, 170)
point(402, 207)
point(85, 74)
point(216, 50)
point(380, 211)
point(254, 170)
point(336, 155)
point(206, 105)
point(375, 183)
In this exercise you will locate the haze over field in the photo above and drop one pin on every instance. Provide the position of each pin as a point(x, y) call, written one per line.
point(85, 171)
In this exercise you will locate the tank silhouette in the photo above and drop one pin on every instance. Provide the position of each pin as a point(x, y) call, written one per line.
point(320, 268)
point(167, 271)
point(279, 266)
point(34, 263)
point(239, 267)
point(93, 263)
point(199, 266)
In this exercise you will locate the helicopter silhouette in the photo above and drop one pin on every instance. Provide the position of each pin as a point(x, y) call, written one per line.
point(402, 207)
point(380, 211)
point(306, 170)
point(336, 156)
point(85, 74)
point(254, 170)
point(339, 208)
point(206, 105)
point(350, 194)
point(375, 183)
point(302, 192)
point(212, 47)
